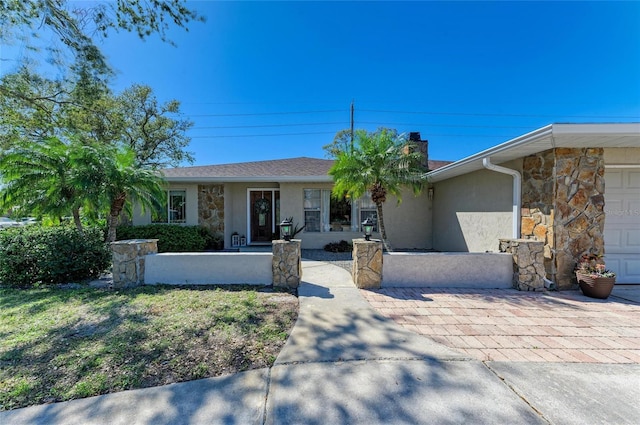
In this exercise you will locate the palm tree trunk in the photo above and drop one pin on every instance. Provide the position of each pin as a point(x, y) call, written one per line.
point(76, 218)
point(383, 231)
point(114, 212)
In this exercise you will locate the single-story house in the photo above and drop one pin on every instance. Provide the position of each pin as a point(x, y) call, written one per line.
point(547, 185)
point(250, 199)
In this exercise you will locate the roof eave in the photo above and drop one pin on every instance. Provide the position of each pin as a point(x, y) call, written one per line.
point(244, 179)
point(539, 134)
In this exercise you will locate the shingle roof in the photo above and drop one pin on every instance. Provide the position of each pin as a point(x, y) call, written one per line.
point(281, 168)
point(302, 168)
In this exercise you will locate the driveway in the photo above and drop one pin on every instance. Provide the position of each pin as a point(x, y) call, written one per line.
point(513, 326)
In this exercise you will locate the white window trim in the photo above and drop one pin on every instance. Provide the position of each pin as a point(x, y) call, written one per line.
point(168, 208)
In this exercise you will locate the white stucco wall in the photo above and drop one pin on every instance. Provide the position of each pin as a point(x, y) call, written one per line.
point(473, 211)
point(206, 268)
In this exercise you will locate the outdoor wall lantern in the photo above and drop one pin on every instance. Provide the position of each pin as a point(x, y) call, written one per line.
point(285, 229)
point(430, 193)
point(367, 225)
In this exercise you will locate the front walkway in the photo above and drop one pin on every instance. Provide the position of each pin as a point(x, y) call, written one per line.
point(509, 325)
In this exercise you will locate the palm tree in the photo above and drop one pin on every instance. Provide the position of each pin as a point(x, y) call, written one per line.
point(57, 179)
point(126, 182)
point(44, 178)
point(381, 163)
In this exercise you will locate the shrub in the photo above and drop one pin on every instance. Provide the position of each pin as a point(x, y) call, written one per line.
point(171, 237)
point(342, 246)
point(34, 255)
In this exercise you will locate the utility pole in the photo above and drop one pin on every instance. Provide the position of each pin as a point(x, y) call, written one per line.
point(352, 107)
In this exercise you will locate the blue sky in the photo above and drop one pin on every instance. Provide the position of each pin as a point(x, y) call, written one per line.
point(266, 80)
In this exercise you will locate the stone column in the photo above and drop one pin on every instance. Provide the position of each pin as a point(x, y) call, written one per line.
point(528, 263)
point(287, 263)
point(128, 261)
point(367, 263)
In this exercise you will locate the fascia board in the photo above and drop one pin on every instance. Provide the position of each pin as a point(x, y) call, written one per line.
point(452, 170)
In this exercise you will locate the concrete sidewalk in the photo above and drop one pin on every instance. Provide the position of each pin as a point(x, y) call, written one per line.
point(344, 363)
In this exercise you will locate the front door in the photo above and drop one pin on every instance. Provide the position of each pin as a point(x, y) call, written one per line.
point(263, 212)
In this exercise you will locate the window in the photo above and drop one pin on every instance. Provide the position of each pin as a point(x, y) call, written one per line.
point(368, 210)
point(175, 211)
point(324, 213)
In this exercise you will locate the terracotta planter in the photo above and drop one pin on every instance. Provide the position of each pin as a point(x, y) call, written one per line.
point(595, 287)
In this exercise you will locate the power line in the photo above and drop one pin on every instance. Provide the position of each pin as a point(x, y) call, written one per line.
point(494, 115)
point(267, 113)
point(271, 125)
point(445, 125)
point(331, 132)
point(261, 135)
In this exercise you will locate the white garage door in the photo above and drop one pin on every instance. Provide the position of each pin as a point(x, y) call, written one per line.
point(622, 223)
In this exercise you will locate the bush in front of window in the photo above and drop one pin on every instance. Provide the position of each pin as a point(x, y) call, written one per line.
point(342, 246)
point(171, 237)
point(35, 255)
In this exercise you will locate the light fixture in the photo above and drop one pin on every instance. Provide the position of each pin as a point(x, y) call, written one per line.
point(285, 229)
point(367, 225)
point(430, 193)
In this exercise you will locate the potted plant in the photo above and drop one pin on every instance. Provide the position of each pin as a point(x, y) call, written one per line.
point(593, 277)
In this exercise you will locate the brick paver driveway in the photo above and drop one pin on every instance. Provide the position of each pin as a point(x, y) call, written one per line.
point(509, 325)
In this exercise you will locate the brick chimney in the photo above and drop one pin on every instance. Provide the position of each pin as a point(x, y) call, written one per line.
point(421, 146)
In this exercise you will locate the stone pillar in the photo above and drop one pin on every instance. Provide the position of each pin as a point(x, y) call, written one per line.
point(287, 263)
point(128, 261)
point(367, 263)
point(528, 263)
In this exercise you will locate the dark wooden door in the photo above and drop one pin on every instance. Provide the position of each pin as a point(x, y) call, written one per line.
point(261, 204)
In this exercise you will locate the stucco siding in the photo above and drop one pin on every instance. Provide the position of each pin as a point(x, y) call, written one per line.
point(473, 211)
point(408, 225)
point(140, 218)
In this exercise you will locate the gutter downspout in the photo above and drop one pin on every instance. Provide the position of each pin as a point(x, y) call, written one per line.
point(517, 191)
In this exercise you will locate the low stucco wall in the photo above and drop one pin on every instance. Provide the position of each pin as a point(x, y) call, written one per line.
point(202, 268)
point(447, 269)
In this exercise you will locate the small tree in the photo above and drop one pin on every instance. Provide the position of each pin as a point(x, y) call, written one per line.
point(48, 178)
point(381, 163)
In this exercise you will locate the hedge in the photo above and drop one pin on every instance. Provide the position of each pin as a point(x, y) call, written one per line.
point(171, 237)
point(35, 255)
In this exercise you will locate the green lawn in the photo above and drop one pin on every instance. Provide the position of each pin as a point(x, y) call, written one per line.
point(61, 344)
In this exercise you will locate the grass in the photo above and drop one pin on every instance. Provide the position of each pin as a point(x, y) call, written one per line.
point(62, 344)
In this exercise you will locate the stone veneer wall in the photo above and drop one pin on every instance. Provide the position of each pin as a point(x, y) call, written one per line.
point(211, 207)
point(128, 261)
point(563, 206)
point(367, 263)
point(537, 214)
point(528, 263)
point(287, 263)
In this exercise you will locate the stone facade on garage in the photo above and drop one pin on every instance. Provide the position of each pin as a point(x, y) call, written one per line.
point(211, 207)
point(563, 206)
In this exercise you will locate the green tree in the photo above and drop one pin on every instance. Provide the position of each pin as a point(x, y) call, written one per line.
point(46, 178)
point(125, 182)
point(341, 143)
point(381, 163)
point(76, 23)
point(34, 108)
point(57, 179)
